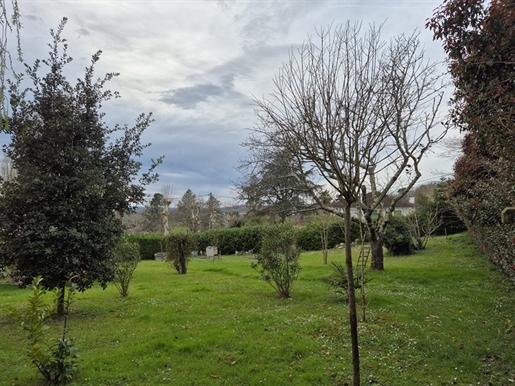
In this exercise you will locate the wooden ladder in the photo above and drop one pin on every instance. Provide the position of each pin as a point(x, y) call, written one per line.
point(364, 253)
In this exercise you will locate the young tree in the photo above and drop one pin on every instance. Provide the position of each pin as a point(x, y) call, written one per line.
point(188, 211)
point(359, 112)
point(126, 259)
point(278, 260)
point(60, 216)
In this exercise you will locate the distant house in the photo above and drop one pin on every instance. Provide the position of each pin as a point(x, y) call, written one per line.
point(404, 206)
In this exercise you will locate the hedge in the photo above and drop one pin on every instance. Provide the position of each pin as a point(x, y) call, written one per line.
point(149, 244)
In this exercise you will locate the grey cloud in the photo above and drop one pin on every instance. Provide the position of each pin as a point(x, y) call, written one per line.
point(83, 32)
point(189, 97)
point(32, 18)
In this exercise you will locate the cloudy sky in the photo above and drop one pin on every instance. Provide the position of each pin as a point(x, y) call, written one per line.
point(197, 64)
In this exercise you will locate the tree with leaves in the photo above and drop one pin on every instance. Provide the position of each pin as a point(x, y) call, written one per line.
point(479, 39)
point(211, 213)
point(188, 211)
point(270, 185)
point(359, 113)
point(61, 214)
point(153, 214)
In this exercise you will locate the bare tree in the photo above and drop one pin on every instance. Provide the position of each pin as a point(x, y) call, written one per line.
point(7, 172)
point(9, 24)
point(359, 112)
point(168, 197)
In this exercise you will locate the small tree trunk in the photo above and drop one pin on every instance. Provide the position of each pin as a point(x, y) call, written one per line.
point(376, 247)
point(353, 317)
point(182, 257)
point(60, 301)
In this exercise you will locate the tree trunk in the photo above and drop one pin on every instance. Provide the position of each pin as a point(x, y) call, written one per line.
point(376, 247)
point(353, 317)
point(60, 301)
point(182, 257)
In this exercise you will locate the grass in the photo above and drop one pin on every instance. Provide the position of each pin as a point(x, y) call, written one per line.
point(444, 316)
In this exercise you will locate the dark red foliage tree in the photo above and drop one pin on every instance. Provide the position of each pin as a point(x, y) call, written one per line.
point(479, 40)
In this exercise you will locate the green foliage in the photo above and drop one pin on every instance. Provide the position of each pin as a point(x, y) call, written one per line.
point(478, 38)
point(308, 237)
point(126, 259)
point(153, 214)
point(397, 238)
point(149, 244)
point(56, 361)
point(278, 261)
point(273, 185)
point(188, 211)
point(179, 245)
point(230, 240)
point(338, 280)
point(59, 215)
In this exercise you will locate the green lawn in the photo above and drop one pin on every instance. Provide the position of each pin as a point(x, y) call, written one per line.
point(444, 316)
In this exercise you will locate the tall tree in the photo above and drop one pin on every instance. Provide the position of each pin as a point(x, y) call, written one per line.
point(211, 213)
point(188, 211)
point(60, 215)
point(270, 185)
point(9, 24)
point(153, 214)
point(359, 112)
point(479, 39)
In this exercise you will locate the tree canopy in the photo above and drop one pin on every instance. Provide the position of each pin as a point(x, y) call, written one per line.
point(76, 177)
point(479, 39)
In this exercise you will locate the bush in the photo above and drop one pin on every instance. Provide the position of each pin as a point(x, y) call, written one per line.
point(126, 259)
point(278, 261)
point(179, 246)
point(397, 238)
point(339, 282)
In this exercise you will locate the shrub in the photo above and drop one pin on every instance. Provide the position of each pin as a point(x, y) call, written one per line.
point(56, 361)
point(338, 281)
point(126, 259)
point(278, 261)
point(179, 246)
point(397, 238)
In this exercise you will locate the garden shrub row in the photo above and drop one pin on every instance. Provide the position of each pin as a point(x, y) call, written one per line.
point(245, 239)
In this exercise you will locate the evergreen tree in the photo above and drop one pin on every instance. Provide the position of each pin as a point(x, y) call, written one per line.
point(60, 215)
point(188, 211)
point(212, 215)
point(152, 216)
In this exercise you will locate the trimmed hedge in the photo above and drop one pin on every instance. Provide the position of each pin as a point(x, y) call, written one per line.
point(230, 240)
point(308, 237)
point(149, 244)
point(247, 238)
